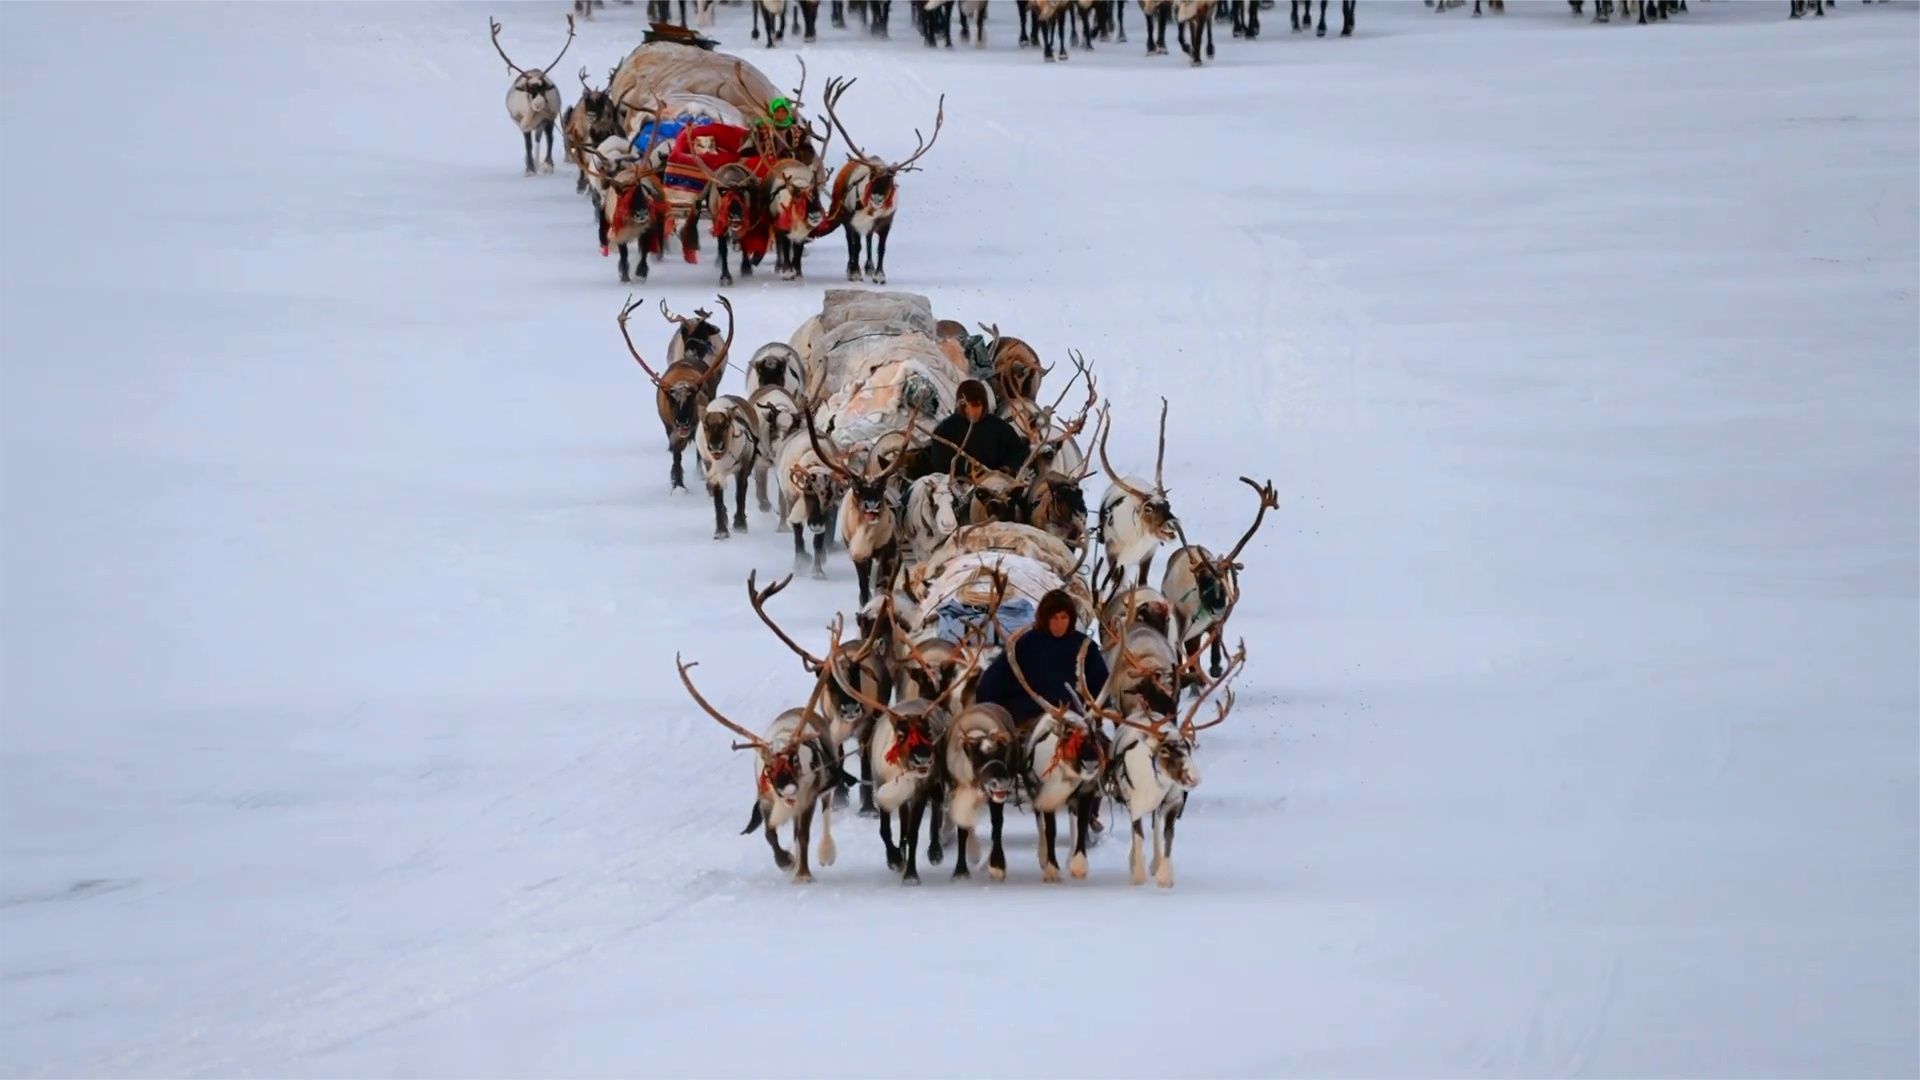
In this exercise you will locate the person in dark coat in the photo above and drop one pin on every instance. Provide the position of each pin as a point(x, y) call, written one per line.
point(1049, 654)
point(981, 436)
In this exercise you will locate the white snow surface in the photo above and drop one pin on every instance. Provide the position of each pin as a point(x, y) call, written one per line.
point(342, 584)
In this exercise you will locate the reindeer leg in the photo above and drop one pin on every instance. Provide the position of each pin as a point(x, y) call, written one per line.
point(826, 852)
point(894, 856)
point(726, 275)
point(677, 474)
point(1146, 565)
point(802, 834)
point(1049, 855)
point(780, 857)
point(935, 797)
point(1163, 855)
point(799, 548)
point(719, 492)
point(960, 867)
point(867, 809)
point(996, 855)
point(1216, 654)
point(820, 556)
point(624, 276)
point(1077, 866)
point(853, 252)
point(547, 130)
point(740, 500)
point(911, 811)
point(862, 568)
point(879, 272)
point(527, 137)
point(1136, 865)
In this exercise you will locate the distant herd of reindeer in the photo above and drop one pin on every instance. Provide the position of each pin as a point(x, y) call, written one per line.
point(1050, 24)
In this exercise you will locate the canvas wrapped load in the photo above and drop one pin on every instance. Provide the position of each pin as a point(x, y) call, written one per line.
point(958, 584)
point(662, 68)
point(876, 361)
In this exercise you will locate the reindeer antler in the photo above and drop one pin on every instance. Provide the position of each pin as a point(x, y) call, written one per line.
point(719, 362)
point(836, 89)
point(1107, 426)
point(494, 25)
point(584, 84)
point(1160, 455)
point(920, 149)
point(754, 742)
point(1269, 500)
point(827, 457)
point(564, 47)
point(624, 313)
point(758, 598)
point(1187, 726)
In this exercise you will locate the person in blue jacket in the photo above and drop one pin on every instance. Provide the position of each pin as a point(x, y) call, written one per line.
point(1049, 656)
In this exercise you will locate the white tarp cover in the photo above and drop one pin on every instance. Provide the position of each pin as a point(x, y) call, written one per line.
point(874, 355)
point(668, 67)
point(1034, 562)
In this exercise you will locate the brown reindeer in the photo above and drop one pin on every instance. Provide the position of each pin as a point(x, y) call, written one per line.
point(863, 190)
point(683, 393)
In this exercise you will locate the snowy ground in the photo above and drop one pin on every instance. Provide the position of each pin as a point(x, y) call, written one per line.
point(341, 582)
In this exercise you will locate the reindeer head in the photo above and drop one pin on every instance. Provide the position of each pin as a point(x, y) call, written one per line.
point(771, 363)
point(940, 504)
point(991, 754)
point(532, 81)
point(878, 195)
point(869, 488)
point(716, 428)
point(699, 337)
point(603, 119)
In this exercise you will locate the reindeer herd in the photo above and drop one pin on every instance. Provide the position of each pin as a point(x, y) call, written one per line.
point(895, 701)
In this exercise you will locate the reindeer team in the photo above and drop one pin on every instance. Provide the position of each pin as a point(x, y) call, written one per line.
point(897, 705)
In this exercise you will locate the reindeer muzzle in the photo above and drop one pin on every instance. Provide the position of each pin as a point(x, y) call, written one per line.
point(997, 782)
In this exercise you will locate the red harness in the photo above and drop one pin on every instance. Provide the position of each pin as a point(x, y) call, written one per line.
point(902, 747)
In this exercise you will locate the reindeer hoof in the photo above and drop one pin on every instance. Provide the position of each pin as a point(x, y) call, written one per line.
point(740, 523)
point(782, 860)
point(960, 871)
point(839, 798)
point(803, 878)
point(546, 166)
point(529, 171)
point(853, 275)
point(726, 279)
point(1050, 874)
point(870, 811)
point(721, 534)
point(997, 873)
point(1077, 866)
point(936, 854)
point(910, 879)
point(1138, 877)
point(879, 279)
point(818, 574)
point(1163, 877)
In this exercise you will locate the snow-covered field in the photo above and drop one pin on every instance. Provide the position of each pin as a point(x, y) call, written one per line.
point(342, 585)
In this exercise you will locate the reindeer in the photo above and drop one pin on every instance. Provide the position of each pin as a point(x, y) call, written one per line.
point(632, 208)
point(770, 12)
point(848, 673)
point(901, 758)
point(682, 394)
point(532, 100)
point(1155, 14)
point(1050, 22)
point(1145, 672)
point(974, 12)
point(795, 768)
point(696, 338)
point(588, 122)
point(1017, 371)
point(735, 202)
point(867, 523)
point(1135, 519)
point(778, 364)
point(1300, 13)
point(1195, 20)
point(809, 17)
point(932, 515)
point(779, 413)
point(1204, 590)
point(731, 443)
point(1054, 499)
point(978, 767)
point(864, 192)
point(810, 490)
point(793, 200)
point(935, 20)
point(1065, 757)
point(1153, 772)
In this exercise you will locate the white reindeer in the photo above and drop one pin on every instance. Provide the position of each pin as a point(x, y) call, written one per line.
point(779, 420)
point(1153, 772)
point(1135, 519)
point(532, 100)
point(731, 442)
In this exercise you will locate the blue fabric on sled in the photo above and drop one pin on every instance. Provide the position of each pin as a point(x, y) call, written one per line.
point(955, 617)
